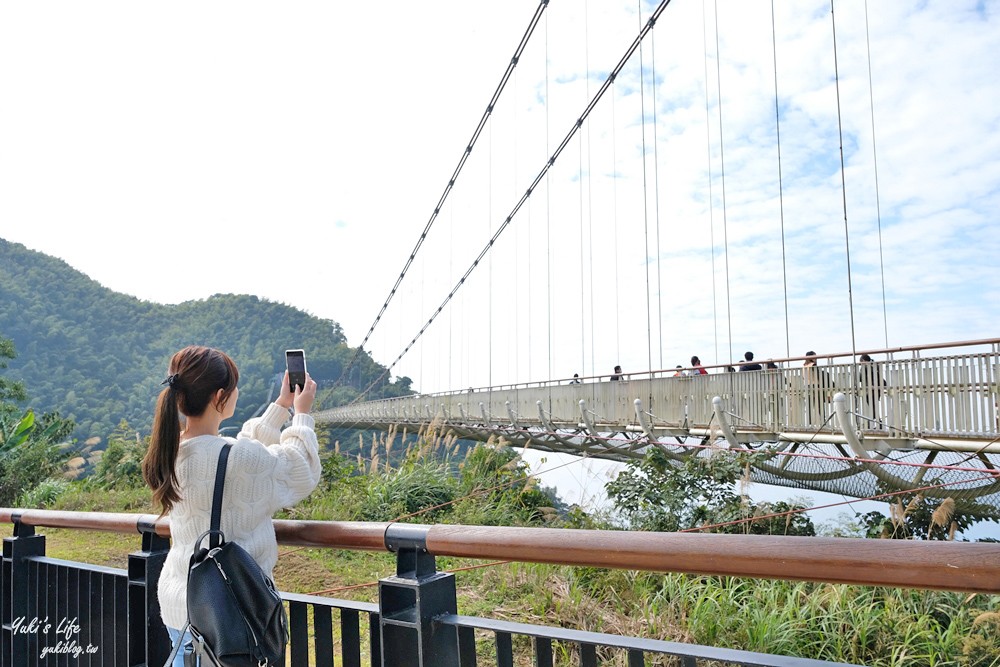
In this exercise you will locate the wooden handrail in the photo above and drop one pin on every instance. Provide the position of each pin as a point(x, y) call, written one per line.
point(360, 535)
point(953, 566)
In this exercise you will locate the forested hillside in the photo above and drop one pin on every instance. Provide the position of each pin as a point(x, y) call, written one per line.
point(98, 356)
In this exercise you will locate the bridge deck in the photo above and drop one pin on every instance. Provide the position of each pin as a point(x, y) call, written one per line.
point(847, 428)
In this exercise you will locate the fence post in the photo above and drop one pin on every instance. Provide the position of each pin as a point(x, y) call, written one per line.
point(20, 632)
point(148, 642)
point(411, 600)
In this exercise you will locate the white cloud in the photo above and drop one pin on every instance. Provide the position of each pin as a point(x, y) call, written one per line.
point(219, 142)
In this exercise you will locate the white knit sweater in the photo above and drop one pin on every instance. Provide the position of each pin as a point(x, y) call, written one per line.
point(263, 476)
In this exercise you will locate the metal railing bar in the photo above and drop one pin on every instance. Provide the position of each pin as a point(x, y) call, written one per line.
point(352, 605)
point(350, 638)
point(375, 639)
point(467, 647)
point(510, 628)
point(505, 649)
point(323, 635)
point(74, 565)
point(543, 651)
point(298, 617)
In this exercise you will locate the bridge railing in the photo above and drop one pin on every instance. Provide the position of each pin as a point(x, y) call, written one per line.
point(61, 612)
point(903, 394)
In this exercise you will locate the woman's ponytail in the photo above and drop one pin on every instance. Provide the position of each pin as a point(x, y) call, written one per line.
point(196, 376)
point(158, 464)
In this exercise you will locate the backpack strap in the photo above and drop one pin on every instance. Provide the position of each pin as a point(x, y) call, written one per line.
point(177, 647)
point(215, 536)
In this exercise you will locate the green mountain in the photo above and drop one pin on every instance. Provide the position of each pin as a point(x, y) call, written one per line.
point(98, 357)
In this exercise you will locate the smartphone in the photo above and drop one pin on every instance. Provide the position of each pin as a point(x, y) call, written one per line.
point(295, 361)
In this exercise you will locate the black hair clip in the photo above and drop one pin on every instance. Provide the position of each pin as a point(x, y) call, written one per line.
point(171, 381)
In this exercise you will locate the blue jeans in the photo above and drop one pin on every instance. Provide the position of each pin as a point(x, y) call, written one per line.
point(186, 647)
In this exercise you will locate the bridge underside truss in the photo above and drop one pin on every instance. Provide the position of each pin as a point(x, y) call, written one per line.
point(818, 462)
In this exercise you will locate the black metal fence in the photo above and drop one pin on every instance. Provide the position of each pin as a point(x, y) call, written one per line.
point(63, 613)
point(55, 612)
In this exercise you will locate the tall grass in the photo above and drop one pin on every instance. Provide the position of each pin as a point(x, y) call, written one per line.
point(426, 478)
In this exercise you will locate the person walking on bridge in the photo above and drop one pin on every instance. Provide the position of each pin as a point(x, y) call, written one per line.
point(268, 468)
point(696, 367)
point(818, 387)
point(749, 364)
point(871, 384)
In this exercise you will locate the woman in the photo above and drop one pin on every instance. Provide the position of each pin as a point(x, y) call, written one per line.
point(871, 386)
point(268, 468)
point(818, 389)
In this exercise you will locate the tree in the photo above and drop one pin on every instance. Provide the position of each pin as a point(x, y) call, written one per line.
point(10, 391)
point(658, 493)
point(31, 449)
point(121, 463)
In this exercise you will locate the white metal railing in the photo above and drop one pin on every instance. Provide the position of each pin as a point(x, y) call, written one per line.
point(902, 394)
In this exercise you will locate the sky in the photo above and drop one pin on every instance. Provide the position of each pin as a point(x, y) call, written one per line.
point(298, 151)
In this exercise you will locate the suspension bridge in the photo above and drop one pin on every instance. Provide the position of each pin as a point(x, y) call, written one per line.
point(667, 200)
point(649, 184)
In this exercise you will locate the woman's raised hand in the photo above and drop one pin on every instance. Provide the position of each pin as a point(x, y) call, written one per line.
point(304, 397)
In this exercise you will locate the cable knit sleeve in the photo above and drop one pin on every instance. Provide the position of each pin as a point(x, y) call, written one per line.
point(298, 470)
point(266, 429)
point(297, 467)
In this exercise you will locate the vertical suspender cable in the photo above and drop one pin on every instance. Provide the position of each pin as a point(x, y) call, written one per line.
point(531, 285)
point(656, 195)
point(548, 202)
point(590, 186)
point(423, 281)
point(645, 202)
point(781, 197)
point(583, 288)
point(878, 206)
point(489, 268)
point(722, 166)
point(614, 197)
point(711, 200)
point(451, 311)
point(843, 193)
point(531, 290)
point(517, 247)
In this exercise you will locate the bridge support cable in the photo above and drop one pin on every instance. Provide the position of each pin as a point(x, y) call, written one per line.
point(522, 45)
point(548, 213)
point(722, 176)
point(781, 191)
point(656, 203)
point(614, 197)
point(645, 200)
point(711, 198)
point(542, 174)
point(878, 207)
point(590, 188)
point(843, 190)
